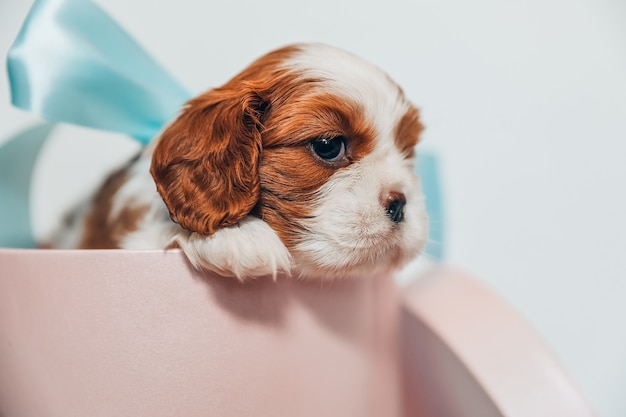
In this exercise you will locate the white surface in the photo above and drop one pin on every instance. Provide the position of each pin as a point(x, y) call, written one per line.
point(525, 102)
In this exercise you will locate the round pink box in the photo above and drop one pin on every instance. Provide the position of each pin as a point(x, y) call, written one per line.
point(141, 333)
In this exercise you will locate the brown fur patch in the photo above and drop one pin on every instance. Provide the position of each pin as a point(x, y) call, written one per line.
point(408, 132)
point(291, 174)
point(205, 165)
point(101, 231)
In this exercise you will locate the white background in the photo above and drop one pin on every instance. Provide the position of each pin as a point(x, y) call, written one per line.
point(524, 102)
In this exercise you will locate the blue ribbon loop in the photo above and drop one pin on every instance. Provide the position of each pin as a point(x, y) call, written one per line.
point(72, 63)
point(17, 161)
point(428, 170)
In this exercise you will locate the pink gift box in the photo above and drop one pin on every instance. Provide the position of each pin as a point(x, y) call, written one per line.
point(127, 333)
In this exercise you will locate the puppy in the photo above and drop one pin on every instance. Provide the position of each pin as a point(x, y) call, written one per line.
point(303, 163)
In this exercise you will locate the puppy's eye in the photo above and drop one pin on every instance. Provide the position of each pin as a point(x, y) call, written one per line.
point(330, 150)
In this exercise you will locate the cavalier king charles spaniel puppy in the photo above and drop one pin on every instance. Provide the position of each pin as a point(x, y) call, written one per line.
point(301, 164)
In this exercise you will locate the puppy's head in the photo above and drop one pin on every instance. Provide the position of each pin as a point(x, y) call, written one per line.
point(317, 143)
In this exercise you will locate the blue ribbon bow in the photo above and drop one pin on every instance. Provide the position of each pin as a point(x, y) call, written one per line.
point(72, 63)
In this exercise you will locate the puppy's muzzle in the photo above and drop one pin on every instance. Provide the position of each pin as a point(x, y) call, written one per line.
point(394, 206)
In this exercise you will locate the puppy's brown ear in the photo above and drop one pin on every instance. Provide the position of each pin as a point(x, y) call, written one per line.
point(205, 165)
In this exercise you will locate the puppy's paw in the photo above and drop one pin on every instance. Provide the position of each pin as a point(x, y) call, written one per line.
point(247, 250)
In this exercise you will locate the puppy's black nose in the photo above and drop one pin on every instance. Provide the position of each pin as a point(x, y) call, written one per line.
point(394, 205)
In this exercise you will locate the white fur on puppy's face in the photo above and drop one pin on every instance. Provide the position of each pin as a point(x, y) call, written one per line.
point(351, 233)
